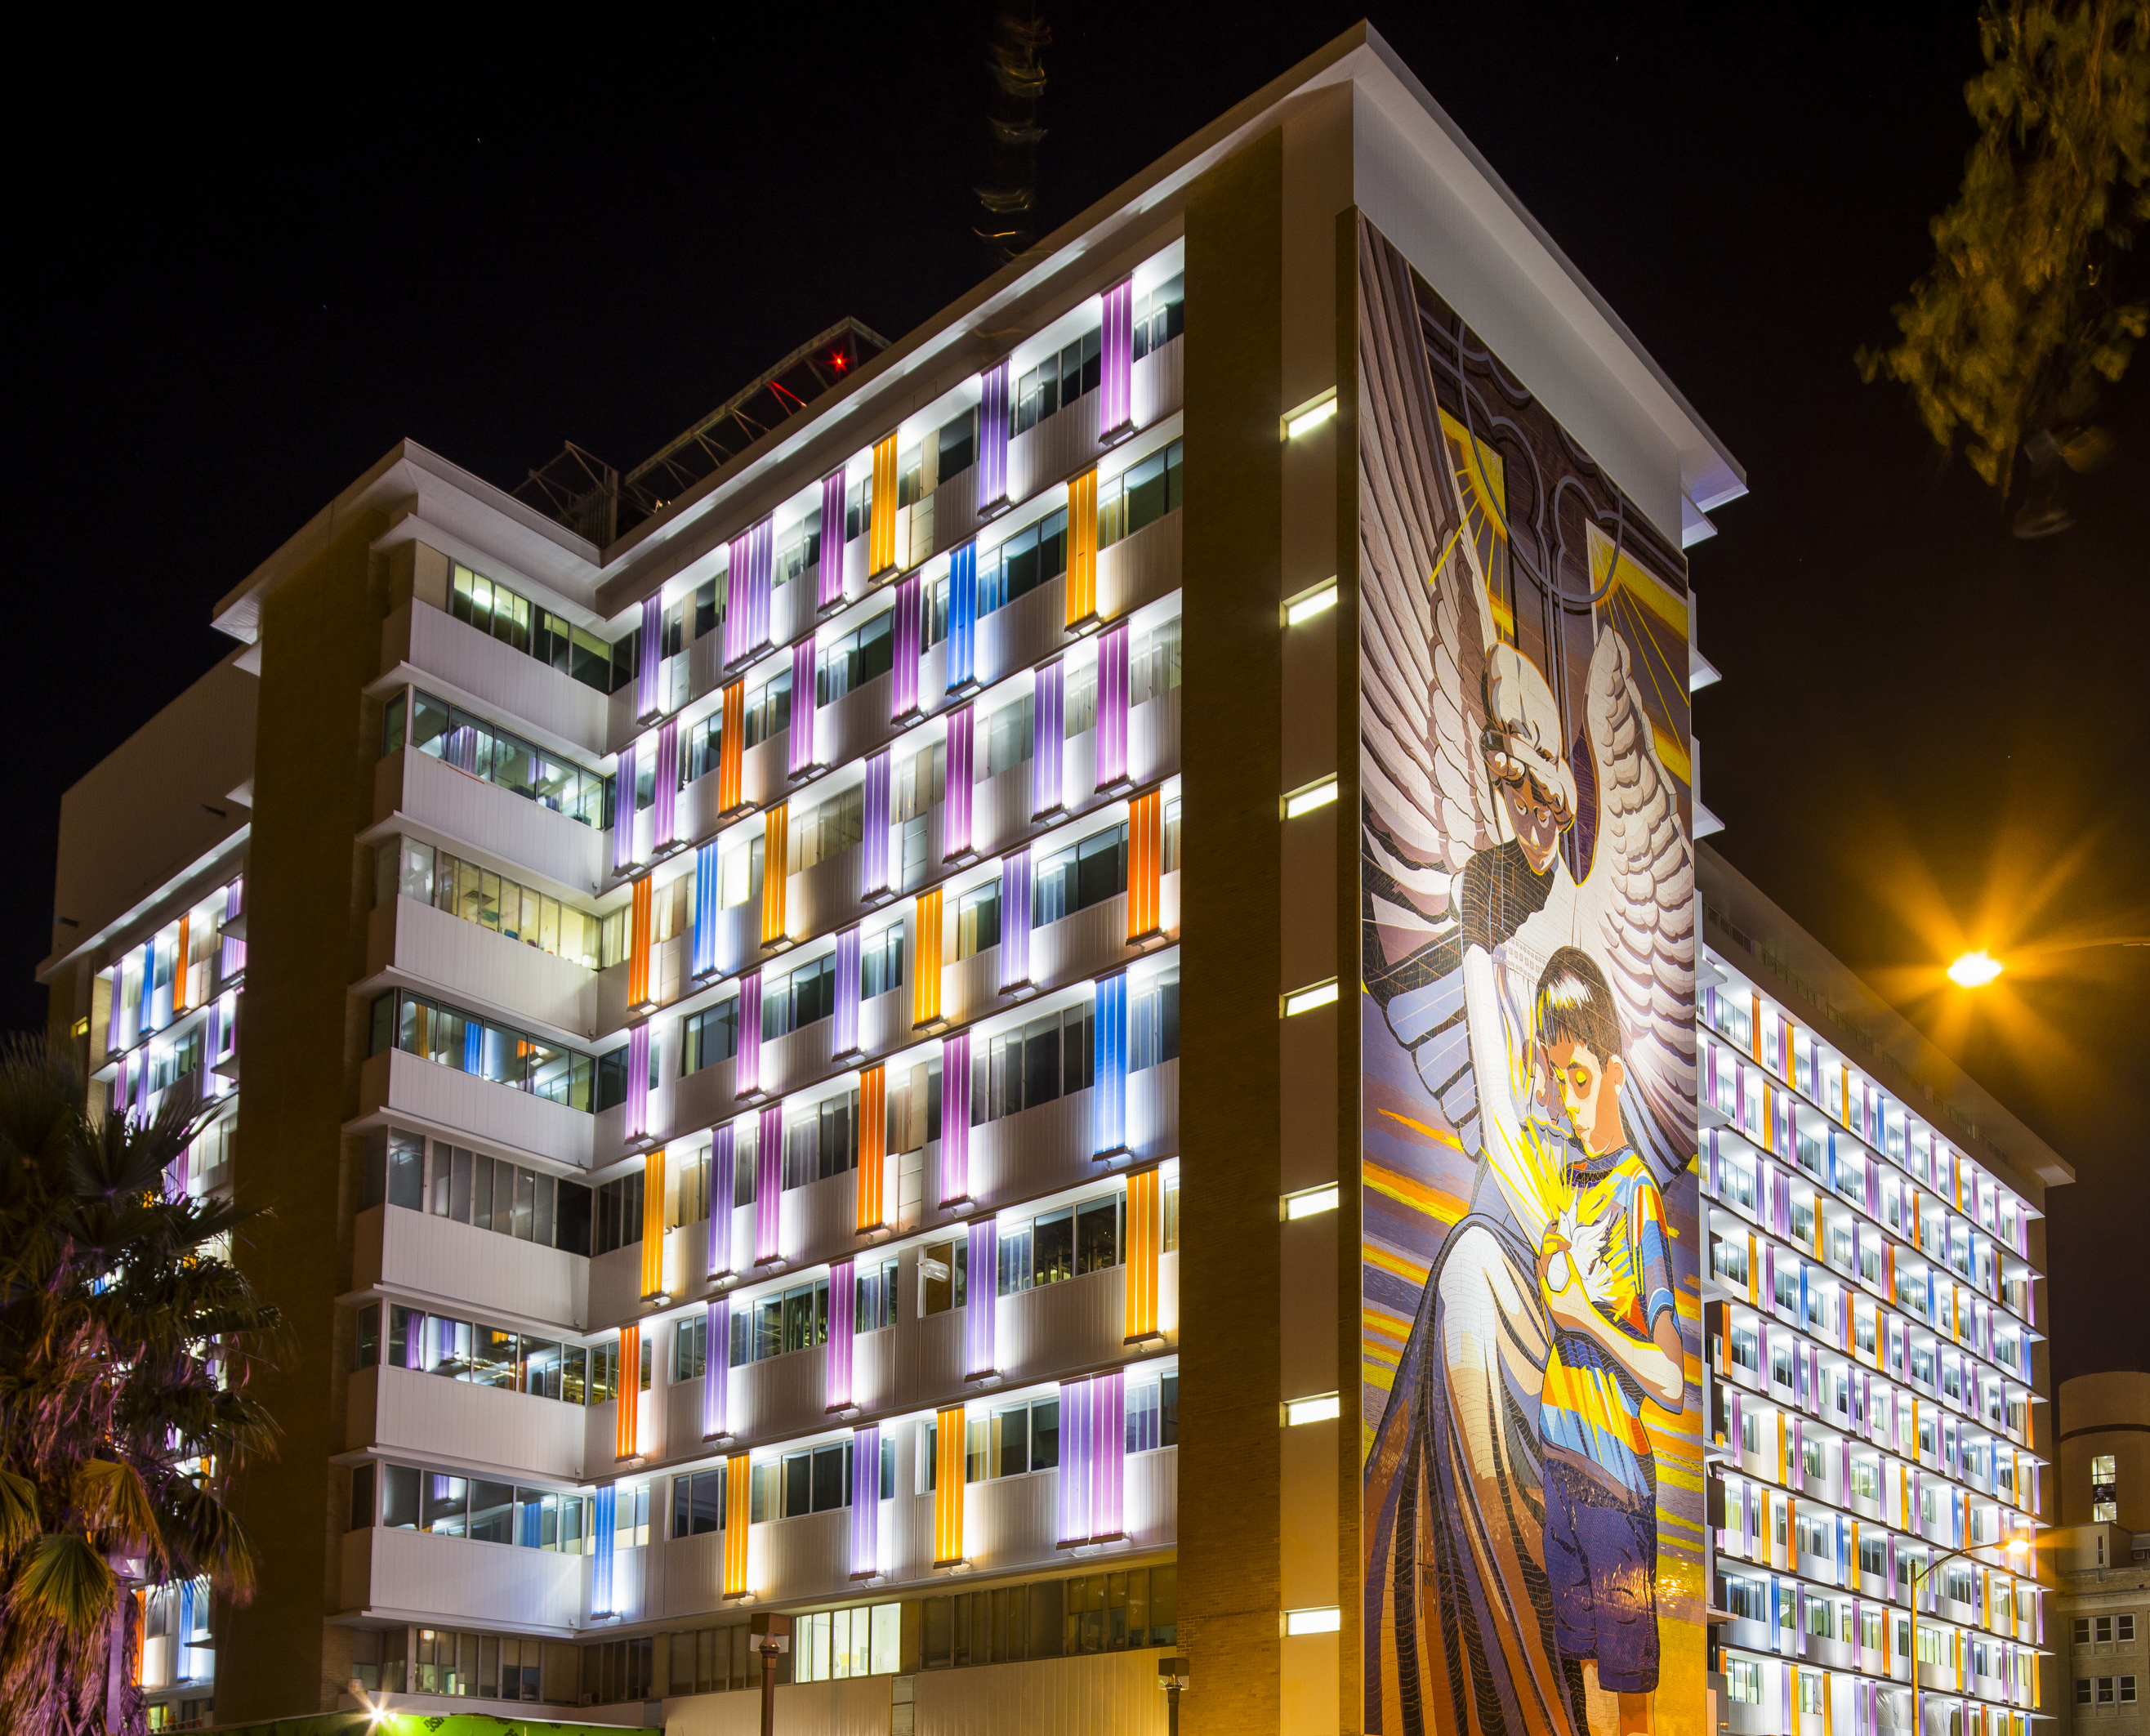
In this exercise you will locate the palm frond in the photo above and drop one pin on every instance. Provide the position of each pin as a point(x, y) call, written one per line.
point(65, 1581)
point(18, 1512)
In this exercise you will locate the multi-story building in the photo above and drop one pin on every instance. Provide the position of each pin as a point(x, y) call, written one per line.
point(1877, 1447)
point(726, 974)
point(2101, 1549)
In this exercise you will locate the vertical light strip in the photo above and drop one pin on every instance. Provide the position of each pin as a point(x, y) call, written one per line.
point(1076, 1457)
point(1015, 920)
point(716, 1362)
point(956, 1119)
point(761, 550)
point(955, 810)
point(746, 1071)
point(909, 629)
point(866, 1502)
point(664, 829)
point(180, 965)
point(736, 567)
point(1108, 1451)
point(963, 618)
point(731, 750)
point(627, 1432)
point(828, 588)
point(1048, 738)
point(1116, 395)
point(604, 1504)
point(775, 855)
point(115, 1032)
point(925, 955)
point(738, 1506)
point(1111, 738)
point(708, 893)
point(769, 1185)
point(873, 850)
point(1082, 589)
point(1145, 863)
point(980, 1292)
point(993, 435)
point(871, 1205)
point(233, 960)
point(1145, 1236)
point(836, 1378)
point(648, 660)
point(636, 1122)
point(844, 1028)
point(805, 754)
point(1109, 1076)
point(948, 1487)
point(623, 812)
point(881, 533)
point(723, 1185)
point(637, 945)
point(653, 1225)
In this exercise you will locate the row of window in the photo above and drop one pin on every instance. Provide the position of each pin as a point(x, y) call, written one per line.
point(448, 1037)
point(417, 870)
point(485, 1356)
point(470, 1188)
point(2105, 1690)
point(551, 639)
point(483, 750)
point(2105, 1630)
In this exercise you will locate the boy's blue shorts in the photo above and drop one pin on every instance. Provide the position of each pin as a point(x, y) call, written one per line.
point(1602, 1565)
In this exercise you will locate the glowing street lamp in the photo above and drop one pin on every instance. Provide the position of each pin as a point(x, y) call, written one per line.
point(1974, 970)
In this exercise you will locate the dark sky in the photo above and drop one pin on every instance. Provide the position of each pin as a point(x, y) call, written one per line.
point(245, 266)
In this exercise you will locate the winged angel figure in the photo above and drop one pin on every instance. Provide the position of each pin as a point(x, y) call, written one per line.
point(1468, 790)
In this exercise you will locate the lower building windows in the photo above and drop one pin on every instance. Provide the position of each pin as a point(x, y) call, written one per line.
point(781, 1321)
point(2105, 1690)
point(1070, 1243)
point(1742, 1681)
point(1053, 1619)
point(833, 1644)
point(469, 1044)
point(482, 1666)
point(618, 1670)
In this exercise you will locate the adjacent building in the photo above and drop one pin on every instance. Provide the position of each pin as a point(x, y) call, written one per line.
point(2101, 1550)
point(789, 1005)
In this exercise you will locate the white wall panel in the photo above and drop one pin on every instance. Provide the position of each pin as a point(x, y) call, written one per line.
point(858, 1707)
point(487, 972)
point(494, 819)
point(1159, 383)
point(454, 1581)
point(499, 1115)
point(1112, 1694)
point(512, 686)
point(467, 1270)
point(430, 1420)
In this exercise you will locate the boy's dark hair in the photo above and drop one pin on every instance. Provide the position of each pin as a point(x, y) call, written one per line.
point(1575, 1005)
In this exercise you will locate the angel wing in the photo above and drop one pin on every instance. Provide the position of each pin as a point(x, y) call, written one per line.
point(1637, 912)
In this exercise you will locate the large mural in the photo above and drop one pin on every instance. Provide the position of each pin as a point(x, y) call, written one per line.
point(1530, 1417)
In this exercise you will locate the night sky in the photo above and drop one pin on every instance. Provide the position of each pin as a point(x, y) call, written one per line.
point(247, 266)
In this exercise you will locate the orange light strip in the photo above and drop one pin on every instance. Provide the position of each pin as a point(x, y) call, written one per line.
point(1083, 549)
point(926, 949)
point(627, 1434)
point(873, 1149)
point(653, 1223)
point(1145, 861)
point(775, 848)
point(179, 968)
point(731, 750)
point(881, 533)
point(637, 945)
point(738, 1507)
point(948, 1487)
point(1145, 1198)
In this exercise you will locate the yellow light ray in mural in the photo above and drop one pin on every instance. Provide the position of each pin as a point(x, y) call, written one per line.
point(1396, 1263)
point(1436, 1135)
point(1417, 1195)
point(1673, 755)
point(1393, 1327)
point(1647, 588)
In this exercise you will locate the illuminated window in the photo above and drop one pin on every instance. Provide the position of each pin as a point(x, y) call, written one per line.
point(1299, 1411)
point(1313, 1621)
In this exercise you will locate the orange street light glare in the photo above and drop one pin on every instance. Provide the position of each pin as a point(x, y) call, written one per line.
point(1974, 970)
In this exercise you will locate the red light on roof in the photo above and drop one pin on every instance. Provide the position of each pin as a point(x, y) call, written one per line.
point(839, 362)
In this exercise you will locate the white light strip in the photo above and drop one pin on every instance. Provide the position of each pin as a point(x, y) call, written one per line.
point(1305, 608)
point(1325, 1409)
point(1313, 796)
point(1313, 1621)
point(1306, 1204)
point(1306, 999)
point(1308, 417)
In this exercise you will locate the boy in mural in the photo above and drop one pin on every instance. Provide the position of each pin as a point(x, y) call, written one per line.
point(1605, 1272)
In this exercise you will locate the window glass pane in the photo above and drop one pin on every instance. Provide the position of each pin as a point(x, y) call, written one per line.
point(445, 1510)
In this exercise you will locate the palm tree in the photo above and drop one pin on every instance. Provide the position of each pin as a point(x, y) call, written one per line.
point(126, 1343)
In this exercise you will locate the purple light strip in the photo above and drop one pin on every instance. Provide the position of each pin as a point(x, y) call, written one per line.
point(1108, 1448)
point(739, 562)
point(1113, 708)
point(844, 1036)
point(746, 1074)
point(768, 1185)
point(803, 755)
point(1078, 1451)
point(1048, 733)
point(761, 543)
point(665, 817)
point(829, 591)
point(955, 814)
point(723, 1182)
point(649, 663)
point(866, 1500)
point(637, 1121)
point(623, 812)
point(716, 1366)
point(956, 1119)
point(903, 683)
point(993, 435)
point(980, 1295)
point(1116, 398)
point(1015, 920)
point(873, 855)
point(836, 1393)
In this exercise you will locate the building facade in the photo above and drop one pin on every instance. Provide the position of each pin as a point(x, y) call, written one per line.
point(2101, 1550)
point(788, 1007)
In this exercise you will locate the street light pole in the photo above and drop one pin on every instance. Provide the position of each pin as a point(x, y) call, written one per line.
point(1172, 1677)
point(1933, 1567)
